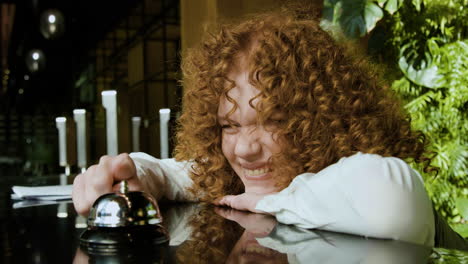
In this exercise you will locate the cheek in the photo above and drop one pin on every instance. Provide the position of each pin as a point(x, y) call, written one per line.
point(273, 142)
point(227, 145)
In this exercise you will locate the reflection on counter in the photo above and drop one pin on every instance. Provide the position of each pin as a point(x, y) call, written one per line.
point(207, 234)
point(226, 235)
point(202, 234)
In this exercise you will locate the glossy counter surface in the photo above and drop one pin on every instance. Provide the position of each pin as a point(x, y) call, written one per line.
point(199, 234)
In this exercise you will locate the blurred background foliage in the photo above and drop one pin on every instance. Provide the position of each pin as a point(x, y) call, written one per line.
point(424, 46)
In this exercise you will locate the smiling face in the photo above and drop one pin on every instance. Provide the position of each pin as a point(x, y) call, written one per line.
point(247, 145)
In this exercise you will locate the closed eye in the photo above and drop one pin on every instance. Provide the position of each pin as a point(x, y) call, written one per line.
point(232, 124)
point(229, 127)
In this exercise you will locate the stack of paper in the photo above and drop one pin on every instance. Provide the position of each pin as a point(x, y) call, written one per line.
point(44, 193)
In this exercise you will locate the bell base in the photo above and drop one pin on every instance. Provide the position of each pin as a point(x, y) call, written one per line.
point(111, 240)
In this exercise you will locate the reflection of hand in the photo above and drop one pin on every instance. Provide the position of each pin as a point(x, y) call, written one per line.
point(80, 257)
point(247, 248)
point(259, 225)
point(243, 202)
point(101, 178)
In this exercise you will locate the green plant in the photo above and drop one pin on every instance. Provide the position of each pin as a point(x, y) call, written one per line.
point(426, 46)
point(429, 39)
point(356, 18)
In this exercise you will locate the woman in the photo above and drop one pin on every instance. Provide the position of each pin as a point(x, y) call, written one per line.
point(280, 119)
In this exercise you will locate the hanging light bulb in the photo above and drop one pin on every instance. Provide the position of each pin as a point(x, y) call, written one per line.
point(52, 24)
point(35, 60)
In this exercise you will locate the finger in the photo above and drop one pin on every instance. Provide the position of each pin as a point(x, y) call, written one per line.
point(78, 195)
point(232, 214)
point(123, 168)
point(83, 200)
point(217, 201)
point(98, 180)
point(231, 201)
point(101, 179)
point(243, 202)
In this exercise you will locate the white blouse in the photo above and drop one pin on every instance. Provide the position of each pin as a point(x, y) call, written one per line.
point(364, 194)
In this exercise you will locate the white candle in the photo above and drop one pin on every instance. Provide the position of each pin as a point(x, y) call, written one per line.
point(80, 118)
point(61, 124)
point(136, 122)
point(164, 117)
point(109, 101)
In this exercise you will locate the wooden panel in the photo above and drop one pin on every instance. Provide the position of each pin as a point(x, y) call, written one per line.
point(156, 97)
point(152, 134)
point(193, 16)
point(154, 57)
point(135, 64)
point(124, 121)
point(137, 102)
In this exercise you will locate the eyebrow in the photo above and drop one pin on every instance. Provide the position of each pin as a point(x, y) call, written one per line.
point(224, 119)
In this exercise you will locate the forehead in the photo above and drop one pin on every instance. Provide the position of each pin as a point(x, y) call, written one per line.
point(241, 94)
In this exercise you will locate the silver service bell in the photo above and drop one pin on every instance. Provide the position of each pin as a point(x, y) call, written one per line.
point(122, 220)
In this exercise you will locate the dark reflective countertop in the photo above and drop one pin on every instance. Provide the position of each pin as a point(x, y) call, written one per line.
point(199, 234)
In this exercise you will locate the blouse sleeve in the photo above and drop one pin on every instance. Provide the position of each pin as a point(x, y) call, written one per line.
point(164, 177)
point(364, 194)
point(302, 246)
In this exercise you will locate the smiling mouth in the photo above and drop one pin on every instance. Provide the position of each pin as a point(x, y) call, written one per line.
point(256, 172)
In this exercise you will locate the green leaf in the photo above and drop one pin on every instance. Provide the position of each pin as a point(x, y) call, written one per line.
point(462, 206)
point(381, 3)
point(337, 12)
point(343, 16)
point(420, 102)
point(462, 229)
point(428, 77)
point(372, 14)
point(328, 10)
point(392, 6)
point(417, 4)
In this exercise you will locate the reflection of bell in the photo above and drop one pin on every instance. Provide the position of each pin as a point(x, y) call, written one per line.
point(123, 220)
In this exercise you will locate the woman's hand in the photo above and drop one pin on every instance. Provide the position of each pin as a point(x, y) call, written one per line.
point(243, 202)
point(103, 178)
point(260, 225)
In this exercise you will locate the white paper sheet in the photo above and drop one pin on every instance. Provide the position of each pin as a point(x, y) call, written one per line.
point(49, 193)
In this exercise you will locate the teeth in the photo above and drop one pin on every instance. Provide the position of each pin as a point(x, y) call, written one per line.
point(256, 172)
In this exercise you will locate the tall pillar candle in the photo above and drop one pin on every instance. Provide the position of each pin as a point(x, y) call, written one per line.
point(80, 119)
point(136, 122)
point(164, 117)
point(109, 101)
point(61, 124)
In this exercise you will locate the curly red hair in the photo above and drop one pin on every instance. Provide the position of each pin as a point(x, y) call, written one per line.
point(333, 100)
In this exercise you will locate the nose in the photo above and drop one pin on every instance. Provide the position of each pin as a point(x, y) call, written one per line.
point(248, 145)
